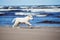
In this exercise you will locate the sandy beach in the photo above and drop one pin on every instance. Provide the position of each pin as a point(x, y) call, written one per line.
point(29, 34)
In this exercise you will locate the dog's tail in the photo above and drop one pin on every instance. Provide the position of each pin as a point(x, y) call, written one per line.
point(13, 20)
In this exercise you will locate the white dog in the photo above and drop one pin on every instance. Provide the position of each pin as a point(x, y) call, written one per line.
point(25, 20)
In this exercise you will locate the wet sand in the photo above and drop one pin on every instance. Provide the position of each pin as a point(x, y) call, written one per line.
point(29, 34)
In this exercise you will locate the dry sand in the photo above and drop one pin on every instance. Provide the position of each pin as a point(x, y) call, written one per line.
point(29, 34)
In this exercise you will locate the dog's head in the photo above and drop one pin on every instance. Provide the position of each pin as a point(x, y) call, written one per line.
point(30, 17)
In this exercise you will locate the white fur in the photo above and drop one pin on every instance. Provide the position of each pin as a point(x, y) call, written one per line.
point(22, 20)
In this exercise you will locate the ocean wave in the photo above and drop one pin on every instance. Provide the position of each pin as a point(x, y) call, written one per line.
point(49, 22)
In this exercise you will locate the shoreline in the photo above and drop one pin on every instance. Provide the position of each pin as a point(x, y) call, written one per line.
point(44, 33)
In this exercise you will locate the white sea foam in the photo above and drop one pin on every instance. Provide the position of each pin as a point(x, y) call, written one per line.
point(24, 13)
point(35, 10)
point(45, 10)
point(41, 15)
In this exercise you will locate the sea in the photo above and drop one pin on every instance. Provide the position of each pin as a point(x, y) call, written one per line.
point(52, 19)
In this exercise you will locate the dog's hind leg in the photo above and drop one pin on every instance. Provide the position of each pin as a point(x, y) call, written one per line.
point(15, 24)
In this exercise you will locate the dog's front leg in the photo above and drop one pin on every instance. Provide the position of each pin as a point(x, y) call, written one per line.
point(29, 25)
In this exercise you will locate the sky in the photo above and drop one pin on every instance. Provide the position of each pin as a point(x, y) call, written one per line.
point(29, 2)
